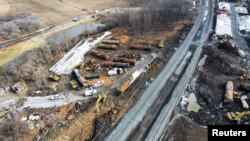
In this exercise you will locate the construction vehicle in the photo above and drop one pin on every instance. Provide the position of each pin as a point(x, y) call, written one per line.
point(148, 66)
point(52, 89)
point(236, 116)
point(244, 77)
point(79, 66)
point(74, 84)
point(54, 77)
point(161, 44)
point(101, 98)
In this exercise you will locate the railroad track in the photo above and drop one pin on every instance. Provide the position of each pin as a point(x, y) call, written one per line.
point(135, 115)
point(159, 127)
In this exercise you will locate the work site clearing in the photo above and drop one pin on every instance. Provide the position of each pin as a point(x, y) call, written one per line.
point(85, 86)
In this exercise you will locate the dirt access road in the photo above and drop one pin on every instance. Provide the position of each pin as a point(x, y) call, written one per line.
point(53, 12)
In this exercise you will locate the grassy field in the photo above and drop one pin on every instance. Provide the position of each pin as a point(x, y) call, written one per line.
point(52, 12)
point(9, 53)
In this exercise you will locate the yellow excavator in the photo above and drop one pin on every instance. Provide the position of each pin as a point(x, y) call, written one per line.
point(101, 98)
point(54, 77)
point(244, 77)
point(74, 84)
point(236, 116)
point(161, 44)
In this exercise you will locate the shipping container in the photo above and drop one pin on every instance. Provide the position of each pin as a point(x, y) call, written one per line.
point(92, 76)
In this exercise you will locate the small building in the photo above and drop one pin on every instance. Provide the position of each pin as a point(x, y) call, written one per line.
point(18, 87)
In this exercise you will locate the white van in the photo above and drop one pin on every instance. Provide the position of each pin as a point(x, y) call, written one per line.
point(90, 92)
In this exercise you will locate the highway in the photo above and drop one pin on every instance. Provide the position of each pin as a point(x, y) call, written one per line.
point(135, 115)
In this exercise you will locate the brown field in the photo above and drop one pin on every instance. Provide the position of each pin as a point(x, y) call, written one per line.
point(52, 12)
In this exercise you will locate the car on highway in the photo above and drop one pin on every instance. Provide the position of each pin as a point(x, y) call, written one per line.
point(57, 96)
point(98, 83)
point(76, 19)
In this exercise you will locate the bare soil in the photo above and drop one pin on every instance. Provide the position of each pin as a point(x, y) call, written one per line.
point(222, 65)
point(181, 129)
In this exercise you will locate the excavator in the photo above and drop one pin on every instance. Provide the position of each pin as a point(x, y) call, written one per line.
point(161, 44)
point(101, 98)
point(244, 77)
point(54, 77)
point(236, 116)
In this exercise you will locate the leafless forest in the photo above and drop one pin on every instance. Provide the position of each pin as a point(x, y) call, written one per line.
point(14, 25)
point(153, 15)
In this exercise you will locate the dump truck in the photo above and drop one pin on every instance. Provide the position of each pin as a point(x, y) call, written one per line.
point(229, 92)
point(107, 46)
point(54, 77)
point(74, 84)
point(116, 64)
point(92, 76)
point(236, 116)
point(100, 54)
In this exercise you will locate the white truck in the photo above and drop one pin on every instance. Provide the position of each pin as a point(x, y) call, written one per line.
point(90, 92)
point(116, 71)
point(57, 96)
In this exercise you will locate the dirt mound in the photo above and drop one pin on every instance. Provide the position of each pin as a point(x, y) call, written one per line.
point(227, 47)
point(184, 130)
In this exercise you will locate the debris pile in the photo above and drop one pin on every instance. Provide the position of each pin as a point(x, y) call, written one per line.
point(244, 23)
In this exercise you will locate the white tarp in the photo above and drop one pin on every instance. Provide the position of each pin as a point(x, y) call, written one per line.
point(76, 55)
point(244, 23)
point(224, 6)
point(241, 10)
point(223, 25)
